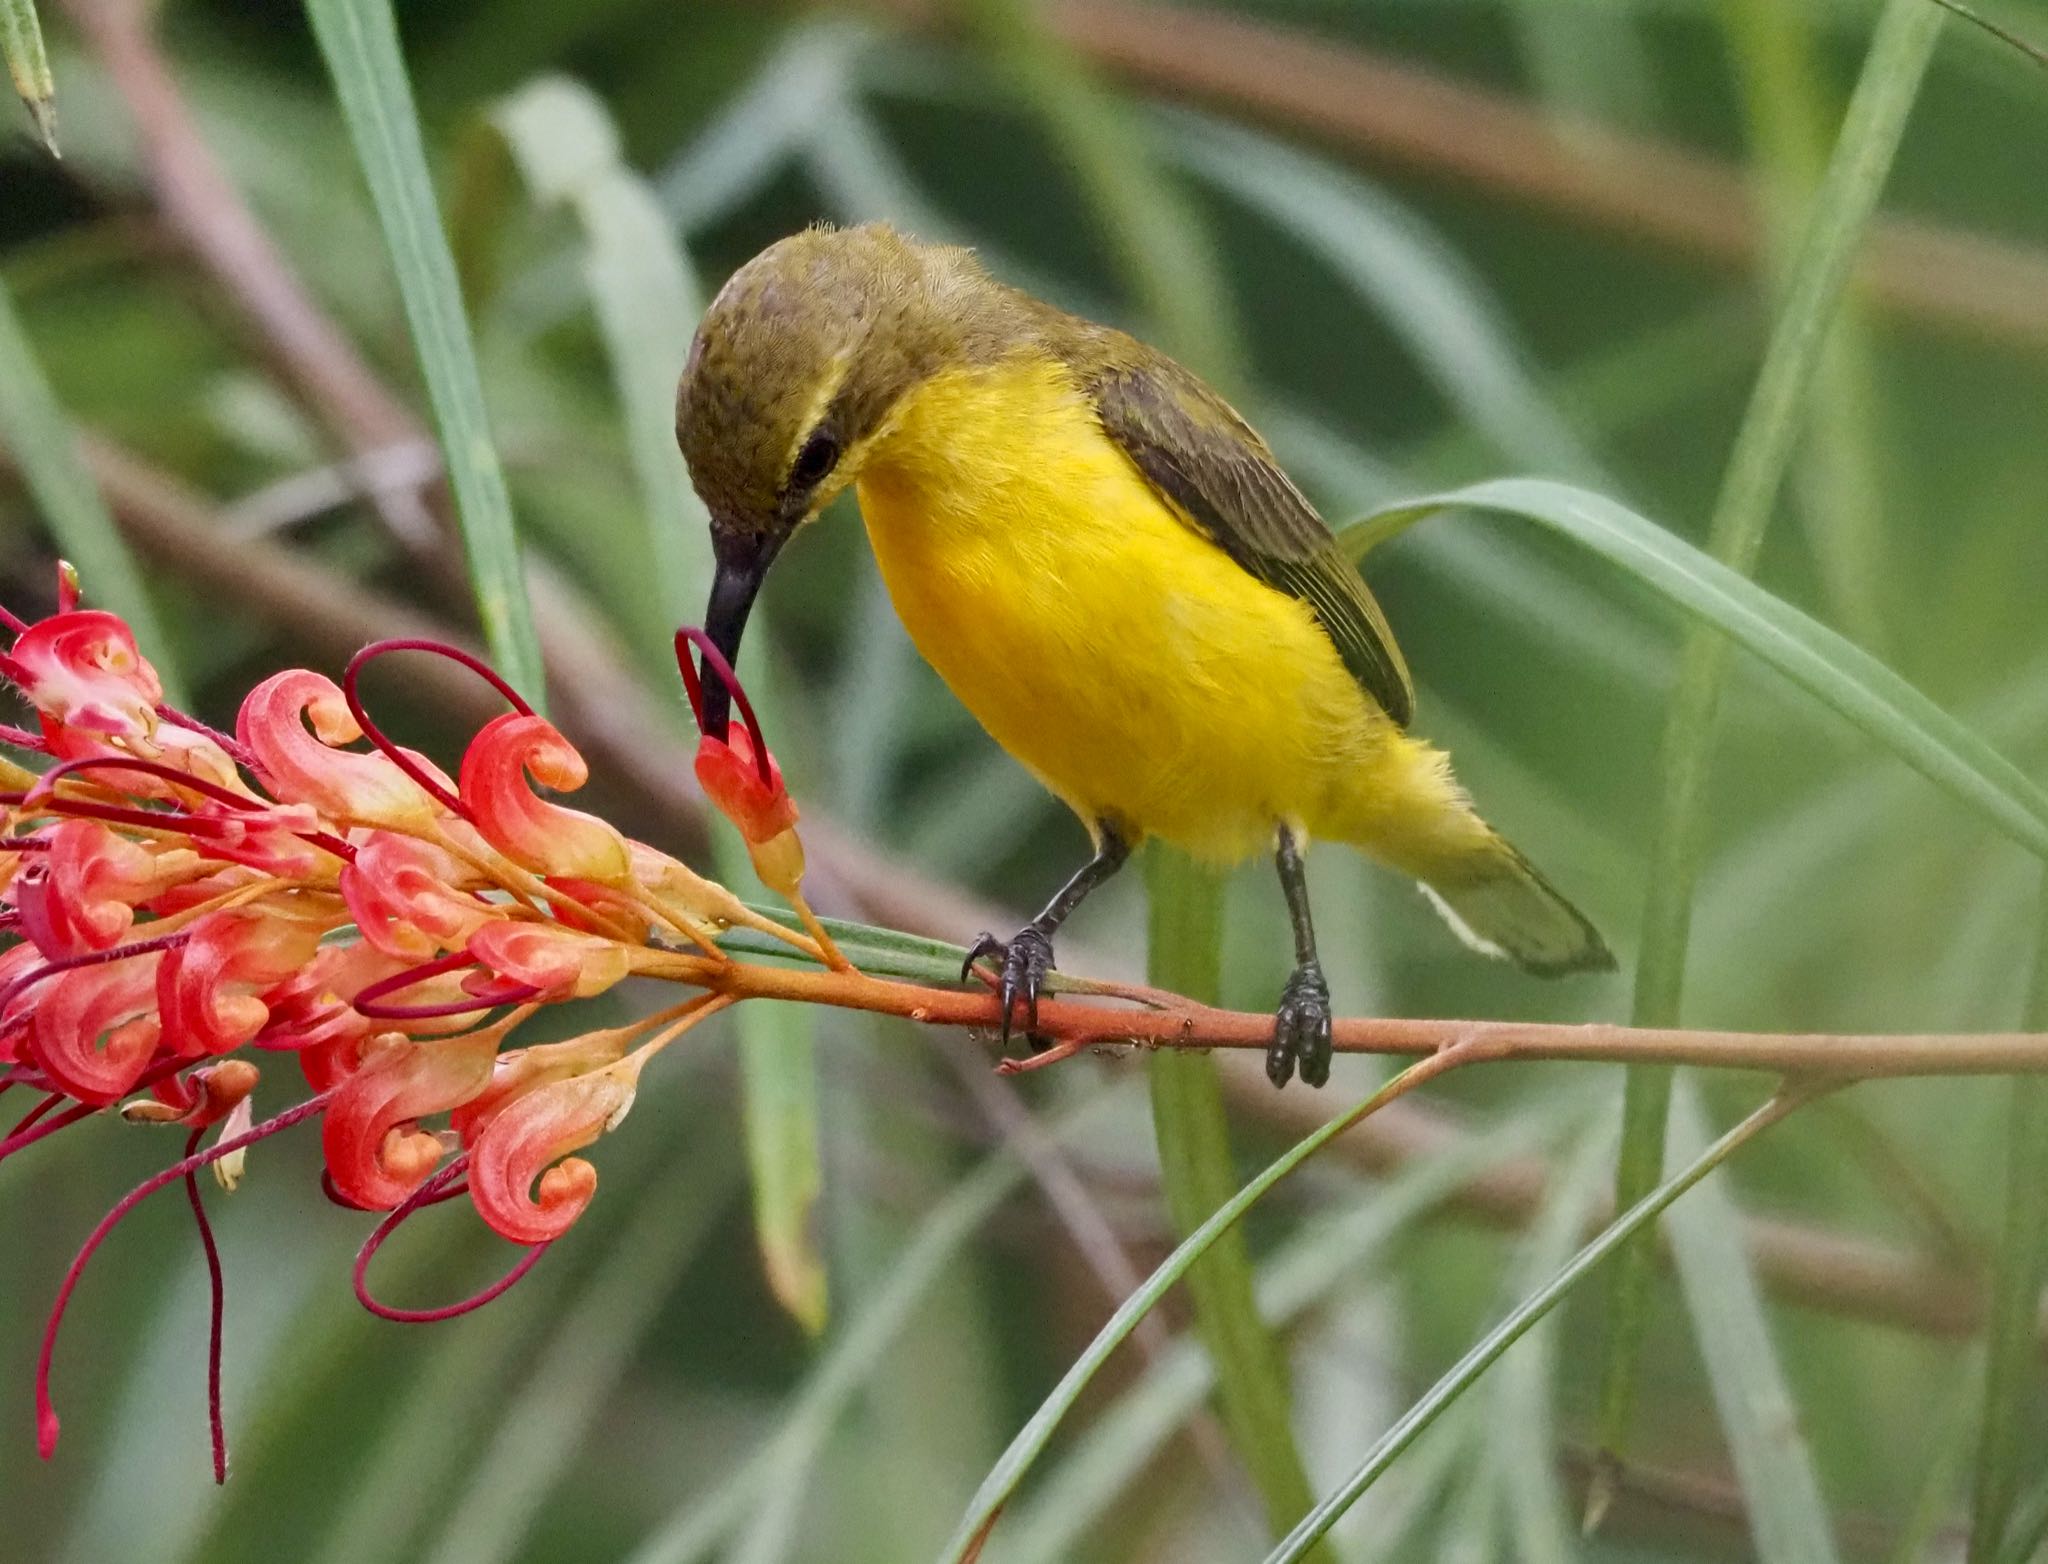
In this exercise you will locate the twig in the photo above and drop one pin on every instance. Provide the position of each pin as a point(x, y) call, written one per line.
point(1069, 1025)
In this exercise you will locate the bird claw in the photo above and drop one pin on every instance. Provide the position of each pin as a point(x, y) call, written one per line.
point(1301, 1029)
point(1025, 962)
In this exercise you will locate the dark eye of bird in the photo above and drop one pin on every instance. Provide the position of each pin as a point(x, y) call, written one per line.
point(814, 460)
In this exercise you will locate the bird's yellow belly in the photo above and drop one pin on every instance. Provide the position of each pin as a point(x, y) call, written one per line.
point(1130, 664)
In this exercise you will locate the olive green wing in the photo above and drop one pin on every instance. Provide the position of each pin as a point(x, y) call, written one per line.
point(1223, 479)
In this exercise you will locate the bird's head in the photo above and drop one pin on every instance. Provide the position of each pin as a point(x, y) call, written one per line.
point(791, 378)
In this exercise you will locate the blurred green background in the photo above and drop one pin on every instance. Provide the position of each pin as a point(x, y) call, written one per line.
point(1422, 242)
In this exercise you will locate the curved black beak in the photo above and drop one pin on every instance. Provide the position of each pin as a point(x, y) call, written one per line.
point(741, 566)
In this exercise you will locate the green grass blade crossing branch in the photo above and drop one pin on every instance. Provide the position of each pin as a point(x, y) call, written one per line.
point(2012, 1354)
point(1871, 131)
point(359, 40)
point(1488, 1350)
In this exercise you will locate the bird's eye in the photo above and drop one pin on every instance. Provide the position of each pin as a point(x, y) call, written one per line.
point(816, 459)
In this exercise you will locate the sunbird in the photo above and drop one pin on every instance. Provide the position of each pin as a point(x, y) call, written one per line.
point(1109, 568)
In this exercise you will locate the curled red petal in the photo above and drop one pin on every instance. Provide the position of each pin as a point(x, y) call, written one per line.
point(208, 991)
point(93, 1030)
point(730, 774)
point(518, 1071)
point(528, 829)
point(405, 897)
point(310, 767)
point(557, 961)
point(545, 1124)
point(81, 895)
point(82, 669)
point(374, 1155)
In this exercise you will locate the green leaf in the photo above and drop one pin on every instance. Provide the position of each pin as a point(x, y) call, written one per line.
point(1031, 1440)
point(1198, 1175)
point(46, 449)
point(1487, 1351)
point(359, 41)
point(645, 294)
point(28, 66)
point(1787, 1514)
point(1778, 412)
point(1844, 678)
point(2012, 1348)
point(1124, 1438)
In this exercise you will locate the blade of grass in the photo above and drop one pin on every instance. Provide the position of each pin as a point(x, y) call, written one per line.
point(1466, 1372)
point(28, 66)
point(359, 41)
point(2012, 1360)
point(1787, 1514)
point(1843, 677)
point(1031, 1440)
point(35, 429)
point(1303, 1274)
point(1871, 131)
point(646, 299)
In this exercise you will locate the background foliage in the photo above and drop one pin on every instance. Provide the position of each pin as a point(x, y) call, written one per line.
point(1552, 272)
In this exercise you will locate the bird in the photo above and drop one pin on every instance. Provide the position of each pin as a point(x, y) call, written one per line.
point(1112, 572)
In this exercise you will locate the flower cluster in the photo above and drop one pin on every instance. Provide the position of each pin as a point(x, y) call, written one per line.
point(189, 902)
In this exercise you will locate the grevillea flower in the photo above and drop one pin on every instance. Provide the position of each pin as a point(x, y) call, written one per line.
point(182, 899)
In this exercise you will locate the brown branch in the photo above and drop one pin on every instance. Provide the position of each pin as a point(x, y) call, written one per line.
point(1071, 1026)
point(1642, 189)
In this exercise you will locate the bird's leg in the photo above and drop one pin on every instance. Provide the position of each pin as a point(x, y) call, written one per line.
point(1027, 958)
point(1301, 1026)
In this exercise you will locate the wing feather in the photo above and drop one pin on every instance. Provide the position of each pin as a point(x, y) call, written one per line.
point(1223, 479)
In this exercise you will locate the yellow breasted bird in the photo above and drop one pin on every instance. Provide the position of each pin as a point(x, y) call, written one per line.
point(1109, 568)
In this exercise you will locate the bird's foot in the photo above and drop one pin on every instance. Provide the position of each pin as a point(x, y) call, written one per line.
point(1301, 1029)
point(1024, 964)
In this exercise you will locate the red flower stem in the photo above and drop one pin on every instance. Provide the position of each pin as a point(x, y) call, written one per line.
point(12, 620)
point(369, 1001)
point(173, 820)
point(352, 674)
point(24, 844)
point(141, 947)
point(21, 738)
point(431, 1192)
point(22, 1139)
point(218, 1284)
point(46, 1413)
point(40, 1110)
point(714, 659)
point(227, 741)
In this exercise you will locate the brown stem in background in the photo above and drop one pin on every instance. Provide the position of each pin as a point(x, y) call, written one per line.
point(1408, 116)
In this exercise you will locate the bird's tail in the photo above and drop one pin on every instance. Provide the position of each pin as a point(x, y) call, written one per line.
point(1417, 819)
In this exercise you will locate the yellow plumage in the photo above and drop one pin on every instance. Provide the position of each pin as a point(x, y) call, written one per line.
point(1168, 689)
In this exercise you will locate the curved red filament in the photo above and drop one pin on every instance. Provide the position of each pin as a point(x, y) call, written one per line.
point(352, 675)
point(47, 1426)
point(217, 1284)
point(714, 659)
point(434, 1190)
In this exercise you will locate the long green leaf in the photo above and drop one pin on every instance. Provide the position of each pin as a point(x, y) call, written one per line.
point(1032, 1439)
point(28, 66)
point(1787, 1514)
point(36, 431)
point(359, 40)
point(1125, 1437)
point(1466, 1372)
point(1777, 413)
point(2012, 1349)
point(1844, 678)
